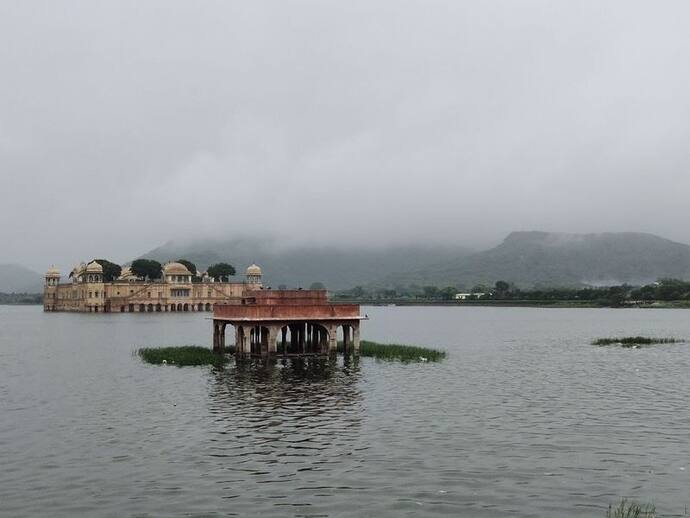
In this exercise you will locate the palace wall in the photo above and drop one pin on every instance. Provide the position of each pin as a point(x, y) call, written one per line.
point(141, 296)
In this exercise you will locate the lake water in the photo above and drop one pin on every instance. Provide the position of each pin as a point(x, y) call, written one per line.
point(524, 418)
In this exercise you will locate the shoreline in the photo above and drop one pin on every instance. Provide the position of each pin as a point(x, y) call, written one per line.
point(558, 304)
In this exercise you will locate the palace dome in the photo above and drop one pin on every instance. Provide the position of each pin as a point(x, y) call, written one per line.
point(52, 271)
point(94, 267)
point(126, 274)
point(176, 269)
point(253, 270)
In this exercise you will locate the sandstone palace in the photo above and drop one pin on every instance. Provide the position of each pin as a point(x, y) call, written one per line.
point(177, 290)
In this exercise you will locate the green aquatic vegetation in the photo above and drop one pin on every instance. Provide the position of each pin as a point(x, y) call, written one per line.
point(628, 509)
point(393, 352)
point(196, 355)
point(181, 356)
point(633, 341)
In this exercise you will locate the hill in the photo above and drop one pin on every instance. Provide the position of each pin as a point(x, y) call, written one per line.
point(530, 259)
point(15, 278)
point(337, 268)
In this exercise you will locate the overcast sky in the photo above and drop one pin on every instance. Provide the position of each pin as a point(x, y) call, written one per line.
point(124, 124)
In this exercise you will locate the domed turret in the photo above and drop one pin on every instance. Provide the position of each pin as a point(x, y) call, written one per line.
point(52, 276)
point(94, 272)
point(94, 267)
point(176, 272)
point(254, 274)
point(127, 275)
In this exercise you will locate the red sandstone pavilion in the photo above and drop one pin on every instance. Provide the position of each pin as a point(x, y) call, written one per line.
point(286, 323)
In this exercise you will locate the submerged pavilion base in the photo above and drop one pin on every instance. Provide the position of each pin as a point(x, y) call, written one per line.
point(287, 323)
point(287, 338)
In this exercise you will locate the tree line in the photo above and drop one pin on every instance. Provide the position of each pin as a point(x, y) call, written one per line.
point(149, 269)
point(663, 290)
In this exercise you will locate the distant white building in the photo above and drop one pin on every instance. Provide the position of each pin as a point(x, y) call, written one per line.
point(465, 296)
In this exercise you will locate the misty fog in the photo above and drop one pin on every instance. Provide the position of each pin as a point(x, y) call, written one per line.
point(127, 124)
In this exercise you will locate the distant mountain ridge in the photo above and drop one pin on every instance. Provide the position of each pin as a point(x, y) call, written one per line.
point(337, 268)
point(527, 259)
point(15, 278)
point(530, 259)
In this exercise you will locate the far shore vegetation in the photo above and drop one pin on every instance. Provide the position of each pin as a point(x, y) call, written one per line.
point(198, 355)
point(664, 293)
point(633, 341)
point(21, 298)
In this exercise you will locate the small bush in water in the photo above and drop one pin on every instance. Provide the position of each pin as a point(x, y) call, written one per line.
point(630, 341)
point(181, 356)
point(404, 353)
point(631, 510)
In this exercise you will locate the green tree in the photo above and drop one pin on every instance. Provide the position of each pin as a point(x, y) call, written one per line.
point(317, 286)
point(111, 271)
point(430, 292)
point(221, 271)
point(502, 287)
point(147, 269)
point(448, 293)
point(358, 292)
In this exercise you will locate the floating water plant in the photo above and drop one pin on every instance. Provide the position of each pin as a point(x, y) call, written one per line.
point(628, 509)
point(196, 355)
point(634, 341)
point(392, 352)
point(181, 356)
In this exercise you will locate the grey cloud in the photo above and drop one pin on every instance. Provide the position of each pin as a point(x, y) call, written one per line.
point(125, 124)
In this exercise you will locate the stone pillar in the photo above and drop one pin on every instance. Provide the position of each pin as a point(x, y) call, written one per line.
point(272, 339)
point(300, 331)
point(264, 336)
point(222, 336)
point(216, 338)
point(355, 341)
point(346, 339)
point(241, 346)
point(333, 338)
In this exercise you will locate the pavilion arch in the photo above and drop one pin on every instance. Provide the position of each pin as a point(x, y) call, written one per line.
point(149, 308)
point(158, 308)
point(122, 309)
point(199, 307)
point(258, 339)
point(185, 307)
point(179, 306)
point(345, 337)
point(302, 338)
point(208, 307)
point(142, 308)
point(172, 307)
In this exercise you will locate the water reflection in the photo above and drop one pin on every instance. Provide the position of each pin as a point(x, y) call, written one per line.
point(283, 428)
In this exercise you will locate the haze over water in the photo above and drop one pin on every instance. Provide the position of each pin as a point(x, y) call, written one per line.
point(524, 418)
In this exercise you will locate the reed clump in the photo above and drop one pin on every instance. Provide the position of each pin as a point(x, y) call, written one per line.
point(634, 341)
point(399, 352)
point(628, 509)
point(181, 356)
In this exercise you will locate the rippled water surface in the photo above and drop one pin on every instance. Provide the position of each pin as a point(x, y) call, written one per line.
point(524, 418)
